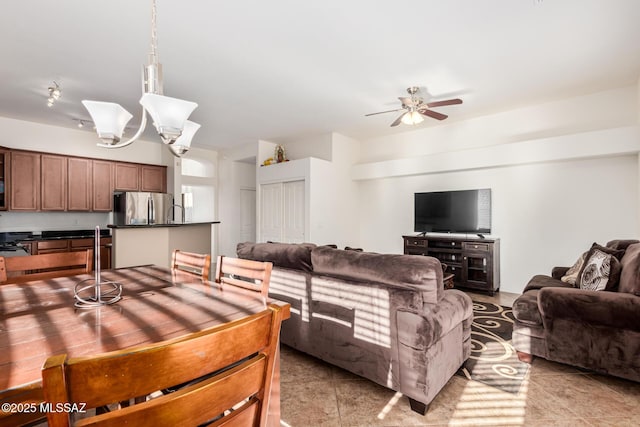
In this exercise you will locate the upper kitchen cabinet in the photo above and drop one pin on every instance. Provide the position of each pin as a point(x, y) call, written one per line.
point(35, 181)
point(53, 183)
point(103, 186)
point(4, 174)
point(79, 189)
point(153, 178)
point(140, 177)
point(24, 180)
point(127, 177)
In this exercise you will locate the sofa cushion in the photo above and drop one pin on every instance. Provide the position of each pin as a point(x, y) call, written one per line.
point(525, 308)
point(601, 270)
point(286, 255)
point(621, 243)
point(420, 272)
point(571, 275)
point(630, 276)
point(540, 281)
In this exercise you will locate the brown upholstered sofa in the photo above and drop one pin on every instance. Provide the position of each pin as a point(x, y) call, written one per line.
point(387, 318)
point(597, 330)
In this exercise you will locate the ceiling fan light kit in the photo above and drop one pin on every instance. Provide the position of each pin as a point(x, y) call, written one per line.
point(169, 115)
point(416, 109)
point(412, 118)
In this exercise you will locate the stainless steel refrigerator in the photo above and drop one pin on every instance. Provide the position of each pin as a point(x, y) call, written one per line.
point(142, 208)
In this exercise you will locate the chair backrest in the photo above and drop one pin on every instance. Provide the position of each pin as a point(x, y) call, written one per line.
point(245, 273)
point(227, 366)
point(189, 262)
point(38, 267)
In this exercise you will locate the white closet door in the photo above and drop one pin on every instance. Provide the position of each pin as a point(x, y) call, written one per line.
point(293, 224)
point(271, 212)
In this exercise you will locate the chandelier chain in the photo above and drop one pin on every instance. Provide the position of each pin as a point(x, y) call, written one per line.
point(154, 37)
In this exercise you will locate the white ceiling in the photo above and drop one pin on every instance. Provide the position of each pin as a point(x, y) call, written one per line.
point(278, 69)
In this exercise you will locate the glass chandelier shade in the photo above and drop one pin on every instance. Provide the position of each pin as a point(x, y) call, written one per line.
point(109, 118)
point(412, 118)
point(183, 143)
point(168, 114)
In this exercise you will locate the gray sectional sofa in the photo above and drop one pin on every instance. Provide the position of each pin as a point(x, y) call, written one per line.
point(387, 318)
point(593, 329)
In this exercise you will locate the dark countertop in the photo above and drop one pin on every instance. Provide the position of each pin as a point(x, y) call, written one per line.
point(51, 235)
point(185, 224)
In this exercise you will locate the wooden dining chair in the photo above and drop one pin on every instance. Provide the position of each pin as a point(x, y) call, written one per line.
point(189, 262)
point(245, 273)
point(229, 369)
point(45, 266)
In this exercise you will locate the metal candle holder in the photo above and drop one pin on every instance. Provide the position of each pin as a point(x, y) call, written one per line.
point(93, 292)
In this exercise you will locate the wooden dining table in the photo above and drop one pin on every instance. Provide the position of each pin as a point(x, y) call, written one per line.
point(38, 319)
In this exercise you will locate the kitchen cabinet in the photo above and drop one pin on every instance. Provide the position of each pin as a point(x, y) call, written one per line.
point(103, 186)
point(153, 178)
point(34, 181)
point(140, 177)
point(50, 246)
point(127, 177)
point(4, 175)
point(87, 243)
point(79, 188)
point(53, 182)
point(24, 181)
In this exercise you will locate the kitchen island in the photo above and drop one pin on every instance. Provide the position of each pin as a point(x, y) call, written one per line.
point(153, 244)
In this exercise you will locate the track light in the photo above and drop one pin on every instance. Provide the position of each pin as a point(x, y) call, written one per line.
point(54, 94)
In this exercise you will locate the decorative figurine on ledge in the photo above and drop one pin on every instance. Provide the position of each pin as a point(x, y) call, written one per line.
point(280, 154)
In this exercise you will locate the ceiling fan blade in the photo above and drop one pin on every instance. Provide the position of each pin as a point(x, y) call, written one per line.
point(433, 114)
point(382, 112)
point(398, 120)
point(445, 102)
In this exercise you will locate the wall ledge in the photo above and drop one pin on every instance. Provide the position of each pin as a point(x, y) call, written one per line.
point(600, 143)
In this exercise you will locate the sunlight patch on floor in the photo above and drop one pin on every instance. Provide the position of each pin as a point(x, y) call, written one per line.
point(481, 405)
point(389, 406)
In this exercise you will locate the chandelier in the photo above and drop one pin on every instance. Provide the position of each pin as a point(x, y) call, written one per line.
point(169, 115)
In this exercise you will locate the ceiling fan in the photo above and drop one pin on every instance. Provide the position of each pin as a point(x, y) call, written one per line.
point(415, 108)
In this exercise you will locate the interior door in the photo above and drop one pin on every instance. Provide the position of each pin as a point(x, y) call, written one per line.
point(271, 212)
point(293, 219)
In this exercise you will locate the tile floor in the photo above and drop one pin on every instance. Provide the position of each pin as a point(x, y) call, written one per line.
point(317, 394)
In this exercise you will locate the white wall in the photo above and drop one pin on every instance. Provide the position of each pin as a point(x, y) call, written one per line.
point(602, 110)
point(318, 146)
point(53, 139)
point(544, 214)
point(549, 202)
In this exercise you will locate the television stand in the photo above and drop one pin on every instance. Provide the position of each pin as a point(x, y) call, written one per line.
point(474, 262)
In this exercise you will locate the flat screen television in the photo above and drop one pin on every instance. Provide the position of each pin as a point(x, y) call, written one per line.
point(464, 211)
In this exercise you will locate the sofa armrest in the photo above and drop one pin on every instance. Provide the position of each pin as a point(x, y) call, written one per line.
point(558, 272)
point(422, 328)
point(602, 308)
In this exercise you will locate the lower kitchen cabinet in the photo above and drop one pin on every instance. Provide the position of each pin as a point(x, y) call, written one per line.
point(39, 247)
